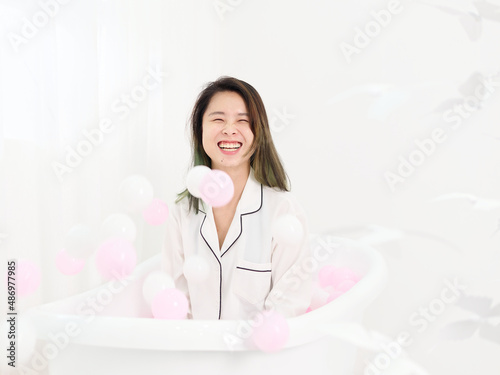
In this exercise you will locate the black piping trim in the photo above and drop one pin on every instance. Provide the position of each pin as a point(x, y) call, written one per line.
point(249, 269)
point(241, 219)
point(220, 267)
point(241, 230)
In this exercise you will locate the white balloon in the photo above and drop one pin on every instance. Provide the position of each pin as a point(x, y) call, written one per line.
point(136, 193)
point(80, 241)
point(154, 283)
point(119, 225)
point(288, 230)
point(196, 268)
point(194, 178)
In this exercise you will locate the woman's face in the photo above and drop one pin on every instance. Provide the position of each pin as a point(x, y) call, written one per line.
point(226, 131)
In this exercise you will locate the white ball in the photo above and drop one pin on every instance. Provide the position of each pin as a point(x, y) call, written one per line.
point(194, 178)
point(119, 225)
point(154, 283)
point(288, 230)
point(80, 241)
point(136, 193)
point(196, 268)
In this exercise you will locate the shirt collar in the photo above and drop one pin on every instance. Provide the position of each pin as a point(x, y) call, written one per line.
point(251, 198)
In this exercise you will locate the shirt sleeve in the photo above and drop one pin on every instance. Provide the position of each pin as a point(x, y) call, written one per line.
point(292, 284)
point(173, 252)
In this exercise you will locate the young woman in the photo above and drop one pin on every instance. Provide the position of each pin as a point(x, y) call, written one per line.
point(250, 270)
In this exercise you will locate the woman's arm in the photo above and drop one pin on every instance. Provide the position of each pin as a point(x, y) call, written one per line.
point(291, 290)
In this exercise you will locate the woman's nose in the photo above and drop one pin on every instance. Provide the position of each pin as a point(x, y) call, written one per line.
point(229, 128)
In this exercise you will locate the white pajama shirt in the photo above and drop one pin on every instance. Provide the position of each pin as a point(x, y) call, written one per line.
point(251, 271)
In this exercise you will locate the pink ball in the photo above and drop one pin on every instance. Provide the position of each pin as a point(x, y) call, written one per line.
point(326, 275)
point(28, 277)
point(272, 334)
point(156, 213)
point(333, 276)
point(170, 303)
point(216, 188)
point(68, 264)
point(116, 257)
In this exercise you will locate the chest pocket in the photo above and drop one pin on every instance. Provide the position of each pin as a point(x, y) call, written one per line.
point(252, 282)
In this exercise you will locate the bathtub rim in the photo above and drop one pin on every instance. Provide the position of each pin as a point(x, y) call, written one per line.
point(211, 335)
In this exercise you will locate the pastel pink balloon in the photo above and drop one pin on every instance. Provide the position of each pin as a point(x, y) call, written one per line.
point(156, 213)
point(28, 277)
point(333, 276)
point(68, 264)
point(170, 303)
point(272, 334)
point(325, 275)
point(216, 188)
point(116, 257)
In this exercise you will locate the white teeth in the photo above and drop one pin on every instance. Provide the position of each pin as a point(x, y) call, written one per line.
point(231, 146)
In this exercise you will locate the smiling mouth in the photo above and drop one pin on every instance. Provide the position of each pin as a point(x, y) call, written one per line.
point(229, 145)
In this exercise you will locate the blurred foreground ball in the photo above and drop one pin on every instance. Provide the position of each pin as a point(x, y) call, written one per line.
point(154, 283)
point(119, 225)
point(68, 264)
point(272, 334)
point(156, 213)
point(194, 179)
point(217, 188)
point(28, 277)
point(116, 257)
point(170, 304)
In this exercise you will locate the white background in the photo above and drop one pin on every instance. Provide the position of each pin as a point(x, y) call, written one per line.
point(348, 122)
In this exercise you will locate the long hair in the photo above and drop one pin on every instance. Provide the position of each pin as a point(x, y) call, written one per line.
point(265, 161)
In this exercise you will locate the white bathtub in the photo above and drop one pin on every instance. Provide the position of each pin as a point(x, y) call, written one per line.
point(123, 339)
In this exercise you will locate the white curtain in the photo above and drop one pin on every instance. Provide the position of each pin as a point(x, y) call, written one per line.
point(67, 68)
